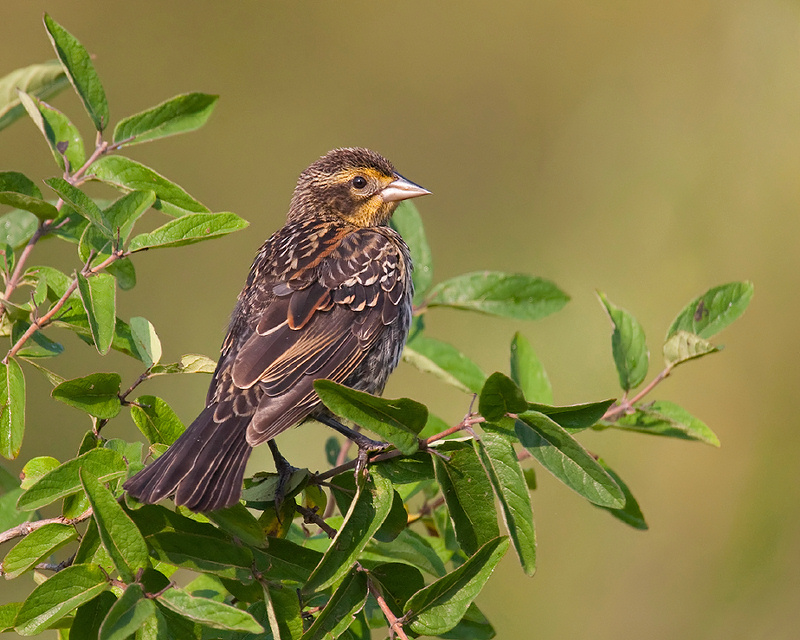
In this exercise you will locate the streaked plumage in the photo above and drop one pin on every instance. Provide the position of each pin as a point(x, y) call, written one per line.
point(328, 296)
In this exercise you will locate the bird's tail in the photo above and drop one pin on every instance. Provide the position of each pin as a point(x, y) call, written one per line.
point(203, 468)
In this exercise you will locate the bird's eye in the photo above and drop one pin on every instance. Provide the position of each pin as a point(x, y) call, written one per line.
point(359, 182)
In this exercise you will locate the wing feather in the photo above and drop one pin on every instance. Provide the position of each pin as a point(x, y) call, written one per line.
point(319, 319)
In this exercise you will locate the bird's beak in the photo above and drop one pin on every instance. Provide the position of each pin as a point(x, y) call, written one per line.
point(402, 189)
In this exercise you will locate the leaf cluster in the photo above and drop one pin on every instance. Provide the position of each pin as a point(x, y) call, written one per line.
point(406, 546)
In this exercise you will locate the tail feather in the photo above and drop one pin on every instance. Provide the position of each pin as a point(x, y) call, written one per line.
point(203, 469)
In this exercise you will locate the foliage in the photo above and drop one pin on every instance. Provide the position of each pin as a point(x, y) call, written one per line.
point(415, 538)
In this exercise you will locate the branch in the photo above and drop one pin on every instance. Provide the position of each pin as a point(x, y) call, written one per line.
point(39, 323)
point(466, 423)
point(76, 179)
point(310, 516)
point(615, 412)
point(29, 527)
point(395, 623)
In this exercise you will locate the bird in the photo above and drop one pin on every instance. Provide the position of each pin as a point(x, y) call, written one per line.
point(328, 296)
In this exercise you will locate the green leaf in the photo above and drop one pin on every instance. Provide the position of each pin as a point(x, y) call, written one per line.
point(180, 114)
point(81, 203)
point(38, 345)
point(631, 514)
point(17, 190)
point(188, 229)
point(171, 625)
point(445, 362)
point(118, 533)
point(208, 612)
point(398, 582)
point(409, 548)
point(407, 469)
point(628, 345)
point(57, 596)
point(395, 522)
point(97, 394)
point(127, 615)
point(128, 175)
point(509, 295)
point(41, 209)
point(528, 372)
point(64, 480)
point(468, 495)
point(90, 615)
point(35, 468)
point(8, 481)
point(146, 340)
point(80, 71)
point(240, 523)
point(156, 420)
point(35, 547)
point(17, 227)
point(683, 346)
point(12, 409)
point(398, 421)
point(63, 137)
point(8, 613)
point(125, 273)
point(261, 490)
point(438, 607)
point(345, 602)
point(75, 319)
point(286, 560)
point(42, 80)
point(10, 515)
point(408, 223)
point(664, 418)
point(473, 626)
point(567, 460)
point(575, 417)
point(209, 554)
point(500, 395)
point(711, 312)
point(99, 296)
point(123, 213)
point(367, 512)
point(283, 612)
point(502, 467)
point(190, 363)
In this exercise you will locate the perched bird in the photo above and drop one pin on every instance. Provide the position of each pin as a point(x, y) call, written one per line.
point(328, 296)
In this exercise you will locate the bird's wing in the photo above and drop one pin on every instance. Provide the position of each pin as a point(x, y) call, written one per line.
point(319, 328)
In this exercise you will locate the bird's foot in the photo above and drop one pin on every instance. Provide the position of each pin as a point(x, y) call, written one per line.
point(366, 447)
point(285, 471)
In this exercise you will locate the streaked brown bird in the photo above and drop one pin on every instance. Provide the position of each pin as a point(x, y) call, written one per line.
point(328, 296)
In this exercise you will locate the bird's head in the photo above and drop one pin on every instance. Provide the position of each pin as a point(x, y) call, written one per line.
point(354, 184)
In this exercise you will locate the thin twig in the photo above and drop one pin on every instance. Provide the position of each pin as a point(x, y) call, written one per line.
point(468, 421)
point(29, 527)
point(45, 319)
point(614, 412)
point(310, 516)
point(145, 376)
point(76, 179)
point(395, 624)
point(49, 566)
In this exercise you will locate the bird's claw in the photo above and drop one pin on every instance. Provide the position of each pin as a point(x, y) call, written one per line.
point(366, 447)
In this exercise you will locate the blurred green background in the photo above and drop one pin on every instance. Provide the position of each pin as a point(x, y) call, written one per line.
point(650, 150)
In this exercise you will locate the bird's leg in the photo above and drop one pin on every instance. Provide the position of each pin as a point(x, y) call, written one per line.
point(365, 445)
point(285, 471)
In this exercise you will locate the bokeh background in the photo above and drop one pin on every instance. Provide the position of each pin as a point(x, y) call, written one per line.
point(647, 149)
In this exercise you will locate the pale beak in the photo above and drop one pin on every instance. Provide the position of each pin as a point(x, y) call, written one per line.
point(402, 189)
